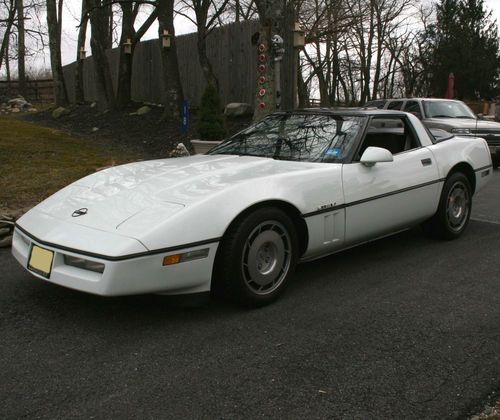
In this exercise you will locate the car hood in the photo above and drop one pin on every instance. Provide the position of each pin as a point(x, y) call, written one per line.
point(151, 191)
point(466, 123)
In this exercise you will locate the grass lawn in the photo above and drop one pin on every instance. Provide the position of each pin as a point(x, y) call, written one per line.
point(37, 161)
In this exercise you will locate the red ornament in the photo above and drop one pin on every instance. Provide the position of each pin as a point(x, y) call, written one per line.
point(262, 58)
point(262, 80)
point(262, 47)
point(262, 105)
point(262, 92)
point(262, 68)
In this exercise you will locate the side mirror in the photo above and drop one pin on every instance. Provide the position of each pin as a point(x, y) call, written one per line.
point(373, 155)
point(480, 116)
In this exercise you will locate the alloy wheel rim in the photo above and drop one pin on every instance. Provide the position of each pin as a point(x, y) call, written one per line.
point(266, 257)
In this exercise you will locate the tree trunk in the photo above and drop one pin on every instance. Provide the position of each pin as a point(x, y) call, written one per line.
point(124, 90)
point(347, 99)
point(205, 64)
point(6, 35)
point(129, 13)
point(265, 98)
point(54, 27)
point(290, 63)
point(21, 48)
point(7, 67)
point(302, 91)
point(98, 22)
point(108, 37)
point(82, 33)
point(172, 94)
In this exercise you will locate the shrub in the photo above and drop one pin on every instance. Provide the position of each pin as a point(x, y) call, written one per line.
point(210, 124)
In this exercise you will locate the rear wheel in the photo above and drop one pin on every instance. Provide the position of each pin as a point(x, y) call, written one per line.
point(256, 258)
point(454, 209)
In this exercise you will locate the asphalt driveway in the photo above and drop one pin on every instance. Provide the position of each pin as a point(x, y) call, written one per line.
point(405, 327)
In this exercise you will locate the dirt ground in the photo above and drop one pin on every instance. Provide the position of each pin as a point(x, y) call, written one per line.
point(146, 136)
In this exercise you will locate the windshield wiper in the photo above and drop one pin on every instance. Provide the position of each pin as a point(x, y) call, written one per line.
point(465, 116)
point(442, 116)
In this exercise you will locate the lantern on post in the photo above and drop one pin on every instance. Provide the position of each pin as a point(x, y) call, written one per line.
point(127, 46)
point(166, 39)
point(299, 36)
point(82, 53)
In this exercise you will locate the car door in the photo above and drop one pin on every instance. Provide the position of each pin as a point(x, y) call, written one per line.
point(389, 196)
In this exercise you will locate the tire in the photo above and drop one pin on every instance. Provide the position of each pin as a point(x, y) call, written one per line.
point(453, 214)
point(256, 258)
point(496, 163)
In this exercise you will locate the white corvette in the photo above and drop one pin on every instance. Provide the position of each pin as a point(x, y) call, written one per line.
point(293, 187)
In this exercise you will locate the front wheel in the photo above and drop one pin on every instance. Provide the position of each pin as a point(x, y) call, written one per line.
point(256, 258)
point(454, 209)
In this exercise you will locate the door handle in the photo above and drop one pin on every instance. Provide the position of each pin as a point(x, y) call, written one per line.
point(426, 162)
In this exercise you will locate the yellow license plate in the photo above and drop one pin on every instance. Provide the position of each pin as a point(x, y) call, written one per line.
point(40, 261)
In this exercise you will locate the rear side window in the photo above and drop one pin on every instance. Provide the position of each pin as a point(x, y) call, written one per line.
point(412, 106)
point(375, 104)
point(395, 105)
point(392, 133)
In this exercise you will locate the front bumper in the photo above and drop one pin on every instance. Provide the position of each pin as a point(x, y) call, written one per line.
point(134, 275)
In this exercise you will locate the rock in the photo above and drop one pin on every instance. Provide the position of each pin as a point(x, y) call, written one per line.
point(94, 129)
point(15, 110)
point(32, 110)
point(179, 151)
point(93, 104)
point(6, 242)
point(143, 110)
point(18, 103)
point(238, 109)
point(59, 112)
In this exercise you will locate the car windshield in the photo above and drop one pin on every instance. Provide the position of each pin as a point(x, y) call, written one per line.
point(447, 109)
point(300, 137)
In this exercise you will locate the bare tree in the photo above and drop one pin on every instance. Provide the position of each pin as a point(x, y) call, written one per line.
point(8, 22)
point(207, 14)
point(80, 47)
point(21, 47)
point(128, 41)
point(99, 22)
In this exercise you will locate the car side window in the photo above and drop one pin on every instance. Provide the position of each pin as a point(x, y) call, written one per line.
point(395, 105)
point(392, 133)
point(375, 104)
point(414, 108)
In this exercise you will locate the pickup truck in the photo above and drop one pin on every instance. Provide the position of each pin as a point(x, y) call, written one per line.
point(447, 114)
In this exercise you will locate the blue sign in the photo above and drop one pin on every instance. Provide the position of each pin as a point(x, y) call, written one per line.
point(185, 116)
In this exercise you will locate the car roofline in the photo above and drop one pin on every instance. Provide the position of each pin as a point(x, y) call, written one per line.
point(336, 111)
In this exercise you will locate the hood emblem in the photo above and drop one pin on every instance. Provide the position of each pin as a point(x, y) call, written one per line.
point(80, 212)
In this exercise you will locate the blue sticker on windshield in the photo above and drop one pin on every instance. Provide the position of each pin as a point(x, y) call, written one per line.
point(334, 152)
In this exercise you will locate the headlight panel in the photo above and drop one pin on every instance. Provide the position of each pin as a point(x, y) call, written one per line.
point(84, 264)
point(461, 131)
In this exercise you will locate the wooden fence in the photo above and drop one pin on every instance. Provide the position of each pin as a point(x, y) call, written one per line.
point(229, 49)
point(37, 91)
